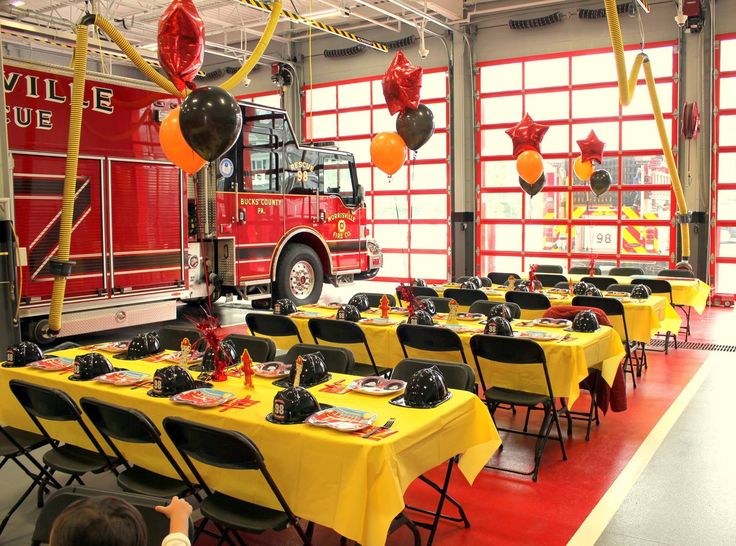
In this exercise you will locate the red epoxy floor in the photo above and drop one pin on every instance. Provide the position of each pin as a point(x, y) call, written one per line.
point(508, 509)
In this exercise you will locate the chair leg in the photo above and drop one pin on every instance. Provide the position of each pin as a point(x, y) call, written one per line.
point(441, 502)
point(526, 421)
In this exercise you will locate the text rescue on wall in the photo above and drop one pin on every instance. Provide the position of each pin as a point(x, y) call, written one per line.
point(47, 89)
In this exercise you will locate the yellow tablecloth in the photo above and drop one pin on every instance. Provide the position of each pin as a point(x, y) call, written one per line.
point(692, 292)
point(643, 318)
point(350, 484)
point(568, 361)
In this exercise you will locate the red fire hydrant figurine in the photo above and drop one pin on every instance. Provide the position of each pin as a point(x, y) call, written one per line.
point(384, 307)
point(247, 369)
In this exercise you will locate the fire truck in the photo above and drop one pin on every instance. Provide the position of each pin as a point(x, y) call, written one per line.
point(271, 218)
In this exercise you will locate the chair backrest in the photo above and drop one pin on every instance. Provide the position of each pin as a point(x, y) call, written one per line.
point(682, 273)
point(485, 282)
point(564, 285)
point(499, 277)
point(424, 291)
point(429, 338)
point(52, 405)
point(485, 307)
point(620, 288)
point(601, 283)
point(465, 296)
point(626, 271)
point(222, 449)
point(582, 270)
point(550, 279)
point(549, 268)
point(462, 279)
point(441, 305)
point(171, 336)
point(457, 376)
point(260, 349)
point(337, 359)
point(266, 324)
point(528, 300)
point(657, 286)
point(157, 524)
point(508, 350)
point(610, 306)
point(374, 299)
point(341, 332)
point(120, 423)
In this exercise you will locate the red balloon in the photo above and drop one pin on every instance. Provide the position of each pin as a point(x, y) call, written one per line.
point(181, 42)
point(527, 135)
point(591, 148)
point(401, 84)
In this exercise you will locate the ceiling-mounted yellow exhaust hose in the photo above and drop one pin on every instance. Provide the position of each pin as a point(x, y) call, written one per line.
point(626, 88)
point(60, 264)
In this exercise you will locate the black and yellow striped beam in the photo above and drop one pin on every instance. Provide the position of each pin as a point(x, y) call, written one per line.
point(263, 6)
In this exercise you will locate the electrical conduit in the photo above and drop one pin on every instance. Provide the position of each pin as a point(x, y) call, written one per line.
point(626, 88)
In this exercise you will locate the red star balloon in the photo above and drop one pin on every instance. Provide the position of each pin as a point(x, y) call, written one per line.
point(527, 135)
point(591, 148)
point(181, 42)
point(401, 84)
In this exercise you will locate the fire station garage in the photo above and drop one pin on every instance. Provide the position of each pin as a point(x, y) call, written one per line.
point(367, 272)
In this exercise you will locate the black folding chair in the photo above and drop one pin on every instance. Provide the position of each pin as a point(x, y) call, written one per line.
point(268, 325)
point(531, 301)
point(43, 403)
point(171, 336)
point(457, 376)
point(686, 309)
point(157, 524)
point(374, 299)
point(660, 287)
point(128, 425)
point(429, 338)
point(337, 359)
point(418, 291)
point(465, 296)
point(625, 271)
point(601, 283)
point(343, 332)
point(462, 279)
point(441, 305)
point(485, 282)
point(549, 268)
point(498, 277)
point(485, 307)
point(234, 451)
point(260, 349)
point(565, 285)
point(519, 352)
point(549, 280)
point(582, 270)
point(16, 444)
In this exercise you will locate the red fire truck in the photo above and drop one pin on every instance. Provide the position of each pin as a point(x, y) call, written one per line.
point(271, 218)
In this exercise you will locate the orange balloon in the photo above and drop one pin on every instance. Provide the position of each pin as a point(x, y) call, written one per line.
point(530, 165)
point(388, 152)
point(176, 148)
point(583, 169)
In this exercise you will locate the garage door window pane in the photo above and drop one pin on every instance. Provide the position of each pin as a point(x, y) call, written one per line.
point(548, 106)
point(391, 236)
point(322, 126)
point(384, 182)
point(728, 92)
point(726, 241)
point(429, 177)
point(727, 131)
point(355, 123)
point(587, 206)
point(546, 73)
point(500, 77)
point(645, 170)
point(548, 205)
point(354, 94)
point(436, 148)
point(597, 239)
point(506, 264)
point(647, 205)
point(643, 135)
point(395, 266)
point(434, 85)
point(607, 132)
point(321, 99)
point(428, 266)
point(545, 238)
point(429, 207)
point(390, 207)
point(495, 142)
point(650, 268)
point(499, 173)
point(728, 55)
point(727, 168)
point(642, 105)
point(501, 109)
point(501, 205)
point(500, 237)
point(429, 237)
point(726, 205)
point(593, 68)
point(439, 111)
point(595, 103)
point(648, 240)
point(556, 140)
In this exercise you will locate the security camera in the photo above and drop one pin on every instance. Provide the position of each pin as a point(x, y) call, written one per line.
point(681, 20)
point(423, 52)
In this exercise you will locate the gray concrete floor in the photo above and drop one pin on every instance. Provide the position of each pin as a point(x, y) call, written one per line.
point(686, 493)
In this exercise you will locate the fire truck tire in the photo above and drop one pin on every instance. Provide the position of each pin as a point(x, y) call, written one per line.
point(38, 332)
point(299, 275)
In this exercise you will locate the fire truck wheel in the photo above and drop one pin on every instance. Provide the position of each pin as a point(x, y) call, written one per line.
point(38, 331)
point(299, 275)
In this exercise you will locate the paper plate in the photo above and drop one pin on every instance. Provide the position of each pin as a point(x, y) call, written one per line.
point(331, 305)
point(536, 335)
point(123, 378)
point(272, 369)
point(552, 323)
point(194, 357)
point(74, 377)
point(305, 314)
point(342, 419)
point(471, 317)
point(113, 347)
point(377, 386)
point(202, 398)
point(377, 321)
point(52, 364)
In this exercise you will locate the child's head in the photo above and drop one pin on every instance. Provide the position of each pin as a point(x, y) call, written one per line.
point(99, 521)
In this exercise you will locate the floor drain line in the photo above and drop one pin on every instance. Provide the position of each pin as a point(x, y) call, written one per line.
point(696, 346)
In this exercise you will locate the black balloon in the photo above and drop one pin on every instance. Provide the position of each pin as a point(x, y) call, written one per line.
point(533, 189)
point(600, 181)
point(416, 127)
point(210, 121)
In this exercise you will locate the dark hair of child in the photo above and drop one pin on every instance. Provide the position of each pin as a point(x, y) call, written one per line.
point(99, 521)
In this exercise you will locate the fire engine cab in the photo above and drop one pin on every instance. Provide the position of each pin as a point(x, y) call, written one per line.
point(269, 218)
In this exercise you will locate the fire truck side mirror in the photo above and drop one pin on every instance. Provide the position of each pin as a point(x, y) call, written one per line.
point(359, 195)
point(241, 215)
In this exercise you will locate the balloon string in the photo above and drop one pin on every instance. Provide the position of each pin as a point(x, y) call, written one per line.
point(311, 81)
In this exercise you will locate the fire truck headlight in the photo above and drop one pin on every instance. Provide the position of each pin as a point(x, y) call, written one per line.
point(373, 247)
